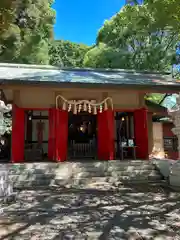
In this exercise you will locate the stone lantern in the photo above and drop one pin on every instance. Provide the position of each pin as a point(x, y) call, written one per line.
point(6, 189)
point(3, 109)
point(174, 176)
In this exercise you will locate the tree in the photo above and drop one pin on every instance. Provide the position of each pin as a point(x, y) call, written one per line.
point(146, 40)
point(166, 13)
point(26, 30)
point(10, 34)
point(104, 56)
point(67, 54)
point(176, 66)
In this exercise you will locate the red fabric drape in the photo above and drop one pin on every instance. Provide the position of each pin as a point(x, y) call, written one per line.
point(40, 129)
point(18, 135)
point(61, 135)
point(141, 133)
point(106, 135)
point(51, 138)
point(110, 122)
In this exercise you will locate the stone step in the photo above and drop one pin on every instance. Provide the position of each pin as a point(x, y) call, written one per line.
point(41, 174)
point(85, 181)
point(62, 168)
point(84, 173)
point(95, 172)
point(115, 175)
point(93, 164)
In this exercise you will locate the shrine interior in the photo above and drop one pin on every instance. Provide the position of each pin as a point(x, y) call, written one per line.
point(82, 136)
point(36, 135)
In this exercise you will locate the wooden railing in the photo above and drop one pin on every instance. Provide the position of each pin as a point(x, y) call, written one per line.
point(82, 150)
point(33, 152)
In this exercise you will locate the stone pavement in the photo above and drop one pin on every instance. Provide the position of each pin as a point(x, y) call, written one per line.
point(123, 212)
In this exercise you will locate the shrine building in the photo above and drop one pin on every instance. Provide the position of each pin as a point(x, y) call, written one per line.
point(72, 114)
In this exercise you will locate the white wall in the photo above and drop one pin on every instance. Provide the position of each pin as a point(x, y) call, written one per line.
point(158, 144)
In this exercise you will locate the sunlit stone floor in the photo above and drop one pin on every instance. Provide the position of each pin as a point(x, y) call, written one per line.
point(123, 212)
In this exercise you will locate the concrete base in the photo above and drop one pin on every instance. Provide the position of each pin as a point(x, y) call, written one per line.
point(164, 166)
point(174, 177)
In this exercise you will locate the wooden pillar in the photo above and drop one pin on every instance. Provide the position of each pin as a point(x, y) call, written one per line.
point(61, 135)
point(106, 135)
point(141, 133)
point(18, 135)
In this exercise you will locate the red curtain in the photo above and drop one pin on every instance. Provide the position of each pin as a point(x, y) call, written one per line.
point(106, 135)
point(51, 139)
point(110, 122)
point(61, 135)
point(18, 135)
point(141, 133)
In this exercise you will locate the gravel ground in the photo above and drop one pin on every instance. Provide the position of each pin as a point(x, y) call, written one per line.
point(124, 212)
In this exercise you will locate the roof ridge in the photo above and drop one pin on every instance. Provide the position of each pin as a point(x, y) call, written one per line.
point(29, 66)
point(50, 67)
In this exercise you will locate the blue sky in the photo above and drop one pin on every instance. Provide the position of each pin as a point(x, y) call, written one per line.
point(80, 20)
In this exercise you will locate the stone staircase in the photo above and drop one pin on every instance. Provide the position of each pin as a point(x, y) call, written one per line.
point(82, 173)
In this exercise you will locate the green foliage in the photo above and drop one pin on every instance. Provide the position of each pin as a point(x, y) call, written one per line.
point(8, 123)
point(138, 37)
point(166, 13)
point(67, 54)
point(154, 97)
point(26, 30)
point(103, 56)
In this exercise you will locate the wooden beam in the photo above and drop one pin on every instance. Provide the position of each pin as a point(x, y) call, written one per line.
point(142, 100)
point(16, 97)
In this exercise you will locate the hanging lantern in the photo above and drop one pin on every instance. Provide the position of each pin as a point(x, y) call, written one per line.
point(95, 110)
point(40, 129)
point(64, 106)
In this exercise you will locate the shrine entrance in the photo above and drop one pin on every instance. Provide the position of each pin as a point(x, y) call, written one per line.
point(82, 136)
point(80, 118)
point(36, 136)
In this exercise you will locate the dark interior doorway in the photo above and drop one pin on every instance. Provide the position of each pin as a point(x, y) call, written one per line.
point(124, 134)
point(36, 135)
point(5, 148)
point(82, 136)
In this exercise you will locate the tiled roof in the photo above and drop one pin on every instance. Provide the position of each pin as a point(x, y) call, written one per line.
point(47, 74)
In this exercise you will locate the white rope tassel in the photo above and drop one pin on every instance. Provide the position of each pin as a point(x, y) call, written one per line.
point(79, 108)
point(89, 108)
point(64, 106)
point(105, 106)
point(95, 110)
point(85, 107)
point(69, 107)
point(75, 109)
